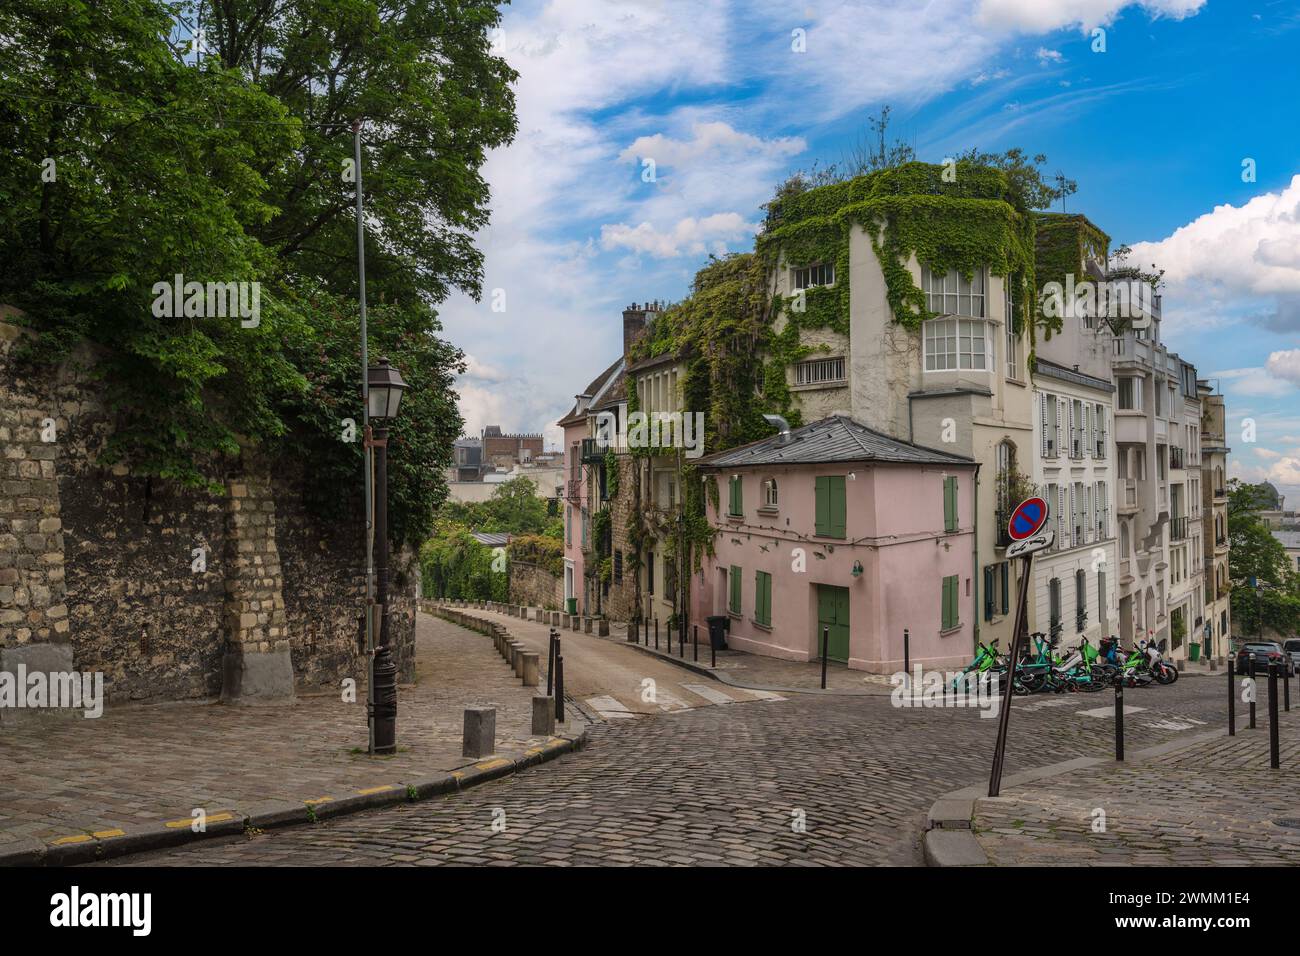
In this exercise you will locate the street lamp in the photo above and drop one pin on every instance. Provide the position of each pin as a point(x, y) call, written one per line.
point(385, 395)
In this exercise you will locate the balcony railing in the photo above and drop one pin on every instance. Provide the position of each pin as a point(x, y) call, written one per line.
point(1220, 492)
point(1177, 457)
point(573, 490)
point(1178, 528)
point(1001, 519)
point(591, 453)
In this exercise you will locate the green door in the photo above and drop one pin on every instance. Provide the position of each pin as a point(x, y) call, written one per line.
point(833, 613)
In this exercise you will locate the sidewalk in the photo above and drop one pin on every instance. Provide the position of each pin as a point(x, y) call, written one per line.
point(756, 672)
point(75, 789)
point(1209, 801)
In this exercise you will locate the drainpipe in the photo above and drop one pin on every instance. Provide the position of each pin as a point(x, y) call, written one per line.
point(975, 555)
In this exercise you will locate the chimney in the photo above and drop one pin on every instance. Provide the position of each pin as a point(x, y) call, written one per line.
point(635, 318)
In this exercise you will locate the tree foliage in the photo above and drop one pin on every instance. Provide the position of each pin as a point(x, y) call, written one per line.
point(131, 158)
point(1265, 587)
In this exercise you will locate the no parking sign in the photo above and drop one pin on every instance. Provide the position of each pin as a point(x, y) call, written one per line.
point(1026, 528)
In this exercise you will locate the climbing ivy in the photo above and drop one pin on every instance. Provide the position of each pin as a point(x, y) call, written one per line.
point(1062, 242)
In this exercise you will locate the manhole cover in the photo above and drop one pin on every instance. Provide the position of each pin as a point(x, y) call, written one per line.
point(1293, 822)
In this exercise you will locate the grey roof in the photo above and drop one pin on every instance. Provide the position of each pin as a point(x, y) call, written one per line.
point(1289, 539)
point(493, 539)
point(835, 439)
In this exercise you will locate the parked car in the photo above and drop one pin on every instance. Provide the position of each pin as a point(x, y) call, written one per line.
point(1265, 652)
point(1292, 648)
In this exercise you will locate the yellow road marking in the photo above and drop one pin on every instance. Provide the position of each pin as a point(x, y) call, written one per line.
point(317, 800)
point(386, 787)
point(492, 764)
point(210, 818)
point(75, 838)
point(107, 834)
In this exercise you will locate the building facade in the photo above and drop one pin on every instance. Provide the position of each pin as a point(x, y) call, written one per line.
point(1216, 630)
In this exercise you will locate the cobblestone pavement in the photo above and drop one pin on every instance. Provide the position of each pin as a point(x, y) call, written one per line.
point(146, 764)
point(725, 785)
point(1215, 804)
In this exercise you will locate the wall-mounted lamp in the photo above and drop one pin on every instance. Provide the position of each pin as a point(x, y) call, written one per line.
point(857, 569)
point(853, 476)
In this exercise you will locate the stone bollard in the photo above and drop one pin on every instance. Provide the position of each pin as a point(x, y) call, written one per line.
point(602, 627)
point(516, 658)
point(543, 717)
point(480, 737)
point(530, 667)
point(555, 619)
point(586, 625)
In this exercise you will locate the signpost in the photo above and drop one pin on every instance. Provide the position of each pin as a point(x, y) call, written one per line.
point(1028, 537)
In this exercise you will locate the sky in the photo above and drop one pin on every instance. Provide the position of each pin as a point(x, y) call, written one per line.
point(1178, 120)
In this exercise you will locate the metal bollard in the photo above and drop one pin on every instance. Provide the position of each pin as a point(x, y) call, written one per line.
point(1274, 759)
point(695, 640)
point(550, 661)
point(559, 687)
point(1254, 691)
point(656, 633)
point(713, 651)
point(907, 659)
point(826, 645)
point(1232, 697)
point(1119, 720)
point(1286, 691)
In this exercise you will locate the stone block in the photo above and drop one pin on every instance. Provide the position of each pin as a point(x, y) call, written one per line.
point(529, 667)
point(543, 717)
point(480, 734)
point(256, 677)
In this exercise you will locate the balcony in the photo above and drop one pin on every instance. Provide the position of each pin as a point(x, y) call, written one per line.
point(1177, 457)
point(573, 490)
point(592, 454)
point(1220, 494)
point(1178, 528)
point(1001, 520)
point(1220, 545)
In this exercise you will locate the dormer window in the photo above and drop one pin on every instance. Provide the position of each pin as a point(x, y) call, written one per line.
point(806, 277)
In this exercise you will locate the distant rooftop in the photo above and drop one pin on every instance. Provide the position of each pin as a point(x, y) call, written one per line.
point(835, 439)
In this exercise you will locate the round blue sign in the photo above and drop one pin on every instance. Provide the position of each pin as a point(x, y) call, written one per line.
point(1030, 516)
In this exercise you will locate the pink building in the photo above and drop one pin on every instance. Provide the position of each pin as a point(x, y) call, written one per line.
point(834, 525)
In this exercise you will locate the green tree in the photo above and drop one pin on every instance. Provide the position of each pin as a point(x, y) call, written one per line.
point(233, 166)
point(1265, 588)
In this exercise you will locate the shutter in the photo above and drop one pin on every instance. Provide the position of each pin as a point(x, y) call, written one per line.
point(1060, 516)
point(767, 599)
point(989, 574)
point(1042, 418)
point(823, 506)
point(1087, 430)
point(950, 504)
point(1061, 415)
point(734, 581)
point(1074, 517)
point(1006, 587)
point(1072, 429)
point(945, 604)
point(838, 507)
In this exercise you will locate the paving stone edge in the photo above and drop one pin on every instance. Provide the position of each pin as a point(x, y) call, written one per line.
point(273, 814)
point(949, 839)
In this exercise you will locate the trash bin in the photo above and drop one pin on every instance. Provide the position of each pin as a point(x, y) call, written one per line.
point(1193, 651)
point(718, 624)
point(571, 604)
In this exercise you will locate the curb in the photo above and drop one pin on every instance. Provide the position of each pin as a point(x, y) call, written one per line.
point(273, 814)
point(949, 838)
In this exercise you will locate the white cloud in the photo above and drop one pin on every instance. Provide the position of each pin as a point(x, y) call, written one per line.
point(711, 141)
point(719, 233)
point(1285, 365)
point(1046, 56)
point(982, 77)
point(1267, 453)
point(1285, 472)
point(1042, 16)
point(1252, 381)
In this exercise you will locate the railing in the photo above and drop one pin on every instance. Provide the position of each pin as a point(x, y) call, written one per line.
point(591, 454)
point(1221, 541)
point(1220, 492)
point(1001, 519)
point(1178, 528)
point(573, 490)
point(1177, 457)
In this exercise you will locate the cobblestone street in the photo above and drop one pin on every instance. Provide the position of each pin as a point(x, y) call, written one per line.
point(728, 785)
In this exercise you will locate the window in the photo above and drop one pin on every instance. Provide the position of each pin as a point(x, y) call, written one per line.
point(949, 615)
point(808, 276)
point(830, 510)
point(1102, 512)
point(1130, 394)
point(1076, 429)
point(1054, 603)
point(1014, 360)
point(1047, 419)
point(735, 506)
point(951, 294)
point(950, 503)
point(649, 572)
point(1080, 600)
point(819, 371)
point(763, 598)
point(1099, 431)
point(990, 575)
point(769, 493)
point(733, 579)
point(952, 344)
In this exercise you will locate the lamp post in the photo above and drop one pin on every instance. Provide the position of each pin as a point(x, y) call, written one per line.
point(385, 395)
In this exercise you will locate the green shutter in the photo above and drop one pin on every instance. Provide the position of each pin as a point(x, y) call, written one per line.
point(734, 581)
point(737, 497)
point(950, 504)
point(1006, 587)
point(838, 507)
point(949, 614)
point(763, 598)
point(823, 507)
point(990, 573)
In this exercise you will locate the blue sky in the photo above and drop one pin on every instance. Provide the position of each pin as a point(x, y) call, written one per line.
point(1155, 129)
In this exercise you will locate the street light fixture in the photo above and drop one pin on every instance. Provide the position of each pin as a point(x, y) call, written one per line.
point(385, 388)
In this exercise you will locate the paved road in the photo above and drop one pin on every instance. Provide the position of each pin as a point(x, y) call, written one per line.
point(727, 785)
